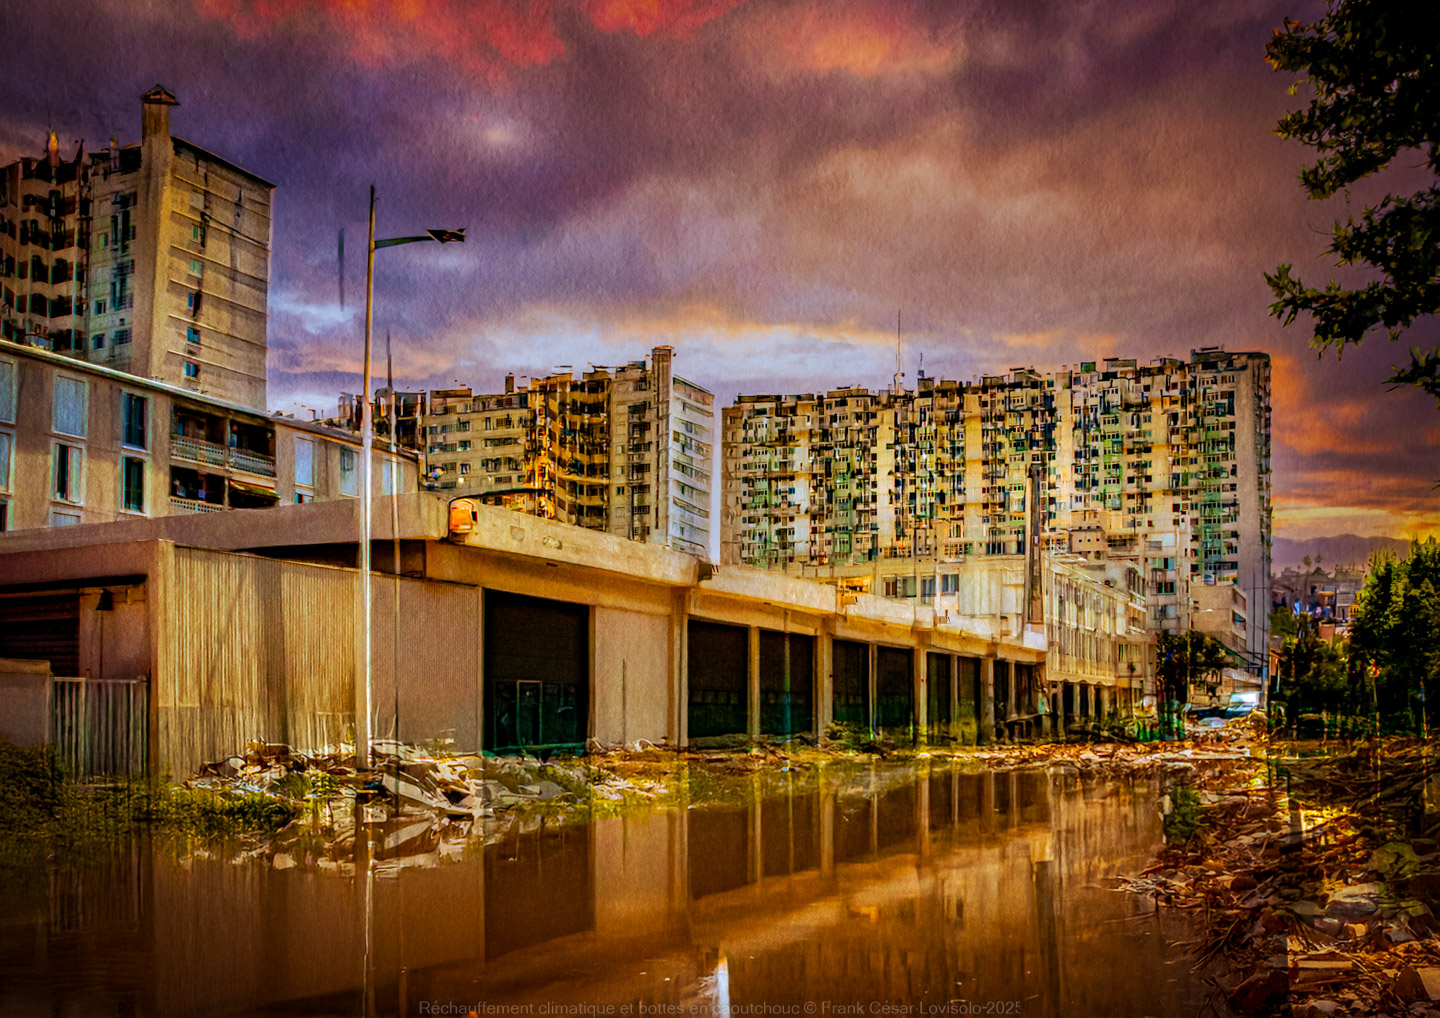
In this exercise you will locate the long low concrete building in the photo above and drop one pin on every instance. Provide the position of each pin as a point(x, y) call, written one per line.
point(491, 630)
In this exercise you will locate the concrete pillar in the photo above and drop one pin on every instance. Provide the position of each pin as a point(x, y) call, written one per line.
point(753, 699)
point(1013, 674)
point(987, 701)
point(1060, 719)
point(920, 685)
point(954, 693)
point(824, 677)
point(873, 669)
point(680, 668)
point(1107, 701)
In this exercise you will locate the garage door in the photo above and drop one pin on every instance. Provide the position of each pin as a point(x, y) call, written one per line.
point(718, 673)
point(851, 663)
point(537, 673)
point(894, 690)
point(42, 628)
point(937, 688)
point(787, 682)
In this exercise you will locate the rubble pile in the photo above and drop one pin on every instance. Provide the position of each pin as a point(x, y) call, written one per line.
point(1320, 882)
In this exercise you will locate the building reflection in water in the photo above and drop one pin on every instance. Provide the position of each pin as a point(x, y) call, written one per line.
point(865, 884)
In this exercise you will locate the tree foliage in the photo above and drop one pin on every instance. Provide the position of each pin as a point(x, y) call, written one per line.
point(1395, 633)
point(1374, 82)
point(1185, 659)
point(1313, 673)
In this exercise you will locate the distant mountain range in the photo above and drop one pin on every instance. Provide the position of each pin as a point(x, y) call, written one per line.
point(1342, 550)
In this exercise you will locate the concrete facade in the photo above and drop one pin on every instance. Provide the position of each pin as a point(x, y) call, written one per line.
point(1165, 466)
point(152, 258)
point(244, 627)
point(623, 450)
point(82, 443)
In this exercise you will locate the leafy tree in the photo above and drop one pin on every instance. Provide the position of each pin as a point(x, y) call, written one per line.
point(1395, 634)
point(1312, 672)
point(1185, 659)
point(1282, 622)
point(1374, 84)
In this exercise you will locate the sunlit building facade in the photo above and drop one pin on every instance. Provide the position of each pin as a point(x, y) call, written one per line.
point(1165, 466)
point(625, 450)
point(151, 258)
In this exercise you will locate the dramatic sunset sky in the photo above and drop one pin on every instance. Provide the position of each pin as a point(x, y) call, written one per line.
point(762, 184)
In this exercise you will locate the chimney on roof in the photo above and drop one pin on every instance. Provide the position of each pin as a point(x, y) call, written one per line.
point(509, 383)
point(155, 113)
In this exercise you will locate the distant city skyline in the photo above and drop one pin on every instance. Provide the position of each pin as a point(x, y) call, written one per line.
point(763, 185)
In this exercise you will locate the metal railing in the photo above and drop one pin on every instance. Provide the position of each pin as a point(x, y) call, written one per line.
point(197, 450)
point(253, 462)
point(100, 727)
point(192, 505)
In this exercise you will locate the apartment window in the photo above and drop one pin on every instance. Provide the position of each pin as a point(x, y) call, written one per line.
point(197, 268)
point(64, 519)
point(192, 370)
point(98, 341)
point(464, 468)
point(927, 589)
point(4, 515)
point(69, 410)
point(69, 461)
point(305, 461)
point(132, 484)
point(99, 307)
point(949, 583)
point(197, 234)
point(7, 391)
point(134, 420)
point(192, 334)
point(122, 336)
point(7, 456)
point(301, 497)
point(465, 445)
point(349, 473)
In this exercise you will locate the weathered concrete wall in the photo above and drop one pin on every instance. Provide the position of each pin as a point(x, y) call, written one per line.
point(632, 659)
point(25, 701)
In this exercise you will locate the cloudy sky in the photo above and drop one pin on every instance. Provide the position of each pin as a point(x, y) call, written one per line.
point(763, 184)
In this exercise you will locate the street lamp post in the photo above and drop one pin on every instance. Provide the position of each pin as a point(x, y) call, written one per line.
point(363, 734)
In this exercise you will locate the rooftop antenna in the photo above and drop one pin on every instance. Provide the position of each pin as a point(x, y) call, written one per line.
point(895, 384)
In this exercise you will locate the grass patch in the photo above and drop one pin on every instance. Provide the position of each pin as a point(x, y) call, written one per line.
point(39, 810)
point(1183, 820)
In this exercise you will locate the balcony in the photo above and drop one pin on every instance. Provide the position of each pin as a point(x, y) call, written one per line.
point(197, 450)
point(252, 462)
point(192, 505)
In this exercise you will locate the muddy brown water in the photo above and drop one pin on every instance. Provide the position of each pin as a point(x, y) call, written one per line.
point(919, 889)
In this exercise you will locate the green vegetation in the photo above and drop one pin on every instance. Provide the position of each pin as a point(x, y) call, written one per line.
point(1374, 85)
point(1395, 638)
point(1183, 820)
point(1313, 672)
point(37, 808)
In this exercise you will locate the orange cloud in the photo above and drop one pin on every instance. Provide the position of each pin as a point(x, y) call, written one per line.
point(863, 42)
point(485, 36)
point(645, 17)
point(488, 37)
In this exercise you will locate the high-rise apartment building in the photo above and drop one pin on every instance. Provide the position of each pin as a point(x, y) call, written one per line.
point(624, 450)
point(1166, 466)
point(152, 259)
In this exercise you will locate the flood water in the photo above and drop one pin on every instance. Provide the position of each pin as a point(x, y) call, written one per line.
point(920, 889)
